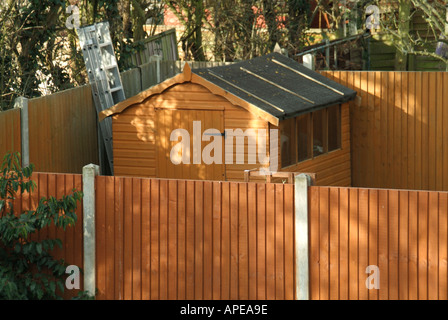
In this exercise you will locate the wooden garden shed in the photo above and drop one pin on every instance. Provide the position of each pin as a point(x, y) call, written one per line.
point(273, 94)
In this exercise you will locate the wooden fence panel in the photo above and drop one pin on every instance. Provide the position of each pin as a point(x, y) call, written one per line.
point(176, 240)
point(399, 133)
point(58, 185)
point(63, 135)
point(403, 232)
point(10, 132)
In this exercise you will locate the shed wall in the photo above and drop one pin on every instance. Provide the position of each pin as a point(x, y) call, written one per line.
point(134, 130)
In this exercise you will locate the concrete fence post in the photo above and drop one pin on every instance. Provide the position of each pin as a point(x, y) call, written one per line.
point(22, 104)
point(158, 60)
point(89, 173)
point(302, 182)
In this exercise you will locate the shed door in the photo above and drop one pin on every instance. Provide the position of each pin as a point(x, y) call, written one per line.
point(171, 120)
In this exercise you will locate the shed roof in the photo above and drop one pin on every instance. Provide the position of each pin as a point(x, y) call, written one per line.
point(278, 85)
point(273, 87)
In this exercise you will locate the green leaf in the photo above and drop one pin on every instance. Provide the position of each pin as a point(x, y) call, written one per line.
point(39, 248)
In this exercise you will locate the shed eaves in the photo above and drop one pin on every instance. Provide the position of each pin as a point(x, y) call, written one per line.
point(278, 85)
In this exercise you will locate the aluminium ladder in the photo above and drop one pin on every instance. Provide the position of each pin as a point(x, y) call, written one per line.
point(104, 77)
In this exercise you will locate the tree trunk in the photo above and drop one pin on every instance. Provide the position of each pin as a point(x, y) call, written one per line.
point(126, 14)
point(401, 57)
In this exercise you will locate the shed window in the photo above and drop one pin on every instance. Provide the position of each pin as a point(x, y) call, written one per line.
point(309, 136)
point(319, 132)
point(288, 134)
point(304, 138)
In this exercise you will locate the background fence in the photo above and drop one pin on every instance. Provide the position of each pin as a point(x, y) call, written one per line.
point(399, 133)
point(404, 233)
point(62, 131)
point(10, 132)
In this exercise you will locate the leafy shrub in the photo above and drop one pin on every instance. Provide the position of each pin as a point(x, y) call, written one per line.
point(27, 269)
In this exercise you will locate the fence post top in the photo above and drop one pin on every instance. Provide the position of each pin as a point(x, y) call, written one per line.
point(20, 102)
point(91, 167)
point(303, 176)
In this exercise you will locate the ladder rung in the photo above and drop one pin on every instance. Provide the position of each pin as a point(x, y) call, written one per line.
point(105, 44)
point(116, 89)
point(112, 66)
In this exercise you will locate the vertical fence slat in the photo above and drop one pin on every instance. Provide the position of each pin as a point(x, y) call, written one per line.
point(163, 240)
point(146, 239)
point(181, 232)
point(278, 247)
point(270, 242)
point(119, 237)
point(423, 246)
point(136, 239)
point(243, 245)
point(172, 240)
point(363, 242)
point(128, 217)
point(433, 246)
point(373, 236)
point(110, 238)
point(314, 243)
point(383, 241)
point(334, 243)
point(353, 239)
point(403, 247)
point(324, 282)
point(413, 245)
point(155, 241)
point(217, 240)
point(208, 240)
point(393, 244)
point(261, 244)
point(289, 244)
point(443, 247)
point(252, 247)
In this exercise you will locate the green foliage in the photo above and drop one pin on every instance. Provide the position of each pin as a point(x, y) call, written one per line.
point(27, 269)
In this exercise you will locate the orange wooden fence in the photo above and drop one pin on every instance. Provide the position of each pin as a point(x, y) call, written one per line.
point(399, 133)
point(166, 239)
point(404, 233)
point(176, 239)
point(10, 134)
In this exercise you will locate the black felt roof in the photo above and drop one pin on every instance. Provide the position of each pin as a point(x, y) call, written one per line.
point(278, 85)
